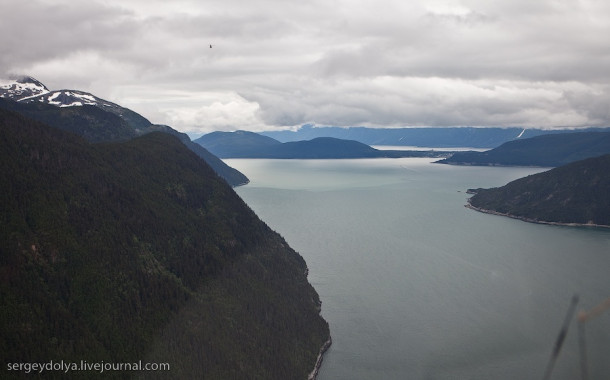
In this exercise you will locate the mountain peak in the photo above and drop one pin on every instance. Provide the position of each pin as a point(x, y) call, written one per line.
point(26, 79)
point(21, 87)
point(25, 89)
point(82, 115)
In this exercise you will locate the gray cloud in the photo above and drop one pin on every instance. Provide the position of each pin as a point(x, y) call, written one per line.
point(276, 63)
point(35, 32)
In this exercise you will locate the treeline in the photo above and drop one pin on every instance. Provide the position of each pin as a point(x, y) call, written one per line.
point(138, 251)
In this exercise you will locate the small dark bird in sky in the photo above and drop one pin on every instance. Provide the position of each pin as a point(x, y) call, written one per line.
point(210, 46)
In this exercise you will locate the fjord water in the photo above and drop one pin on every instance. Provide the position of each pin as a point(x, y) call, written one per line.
point(416, 286)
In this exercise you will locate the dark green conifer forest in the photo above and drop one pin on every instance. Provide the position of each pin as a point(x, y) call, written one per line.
point(576, 193)
point(137, 250)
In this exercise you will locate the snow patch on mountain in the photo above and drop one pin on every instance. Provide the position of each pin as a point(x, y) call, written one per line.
point(69, 98)
point(20, 88)
point(27, 89)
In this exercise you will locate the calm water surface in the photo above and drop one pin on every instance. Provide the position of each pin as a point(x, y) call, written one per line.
point(416, 286)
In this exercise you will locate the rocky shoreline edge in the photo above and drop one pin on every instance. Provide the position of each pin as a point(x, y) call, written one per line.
point(314, 374)
point(532, 220)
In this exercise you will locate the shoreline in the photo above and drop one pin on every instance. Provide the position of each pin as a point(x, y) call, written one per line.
point(490, 164)
point(531, 220)
point(314, 373)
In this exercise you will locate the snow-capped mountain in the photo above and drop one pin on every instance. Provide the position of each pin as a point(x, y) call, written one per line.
point(21, 88)
point(79, 112)
point(26, 89)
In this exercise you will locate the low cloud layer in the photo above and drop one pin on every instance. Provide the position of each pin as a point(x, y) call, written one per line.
point(281, 64)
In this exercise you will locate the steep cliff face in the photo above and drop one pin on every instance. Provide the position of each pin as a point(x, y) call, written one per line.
point(120, 252)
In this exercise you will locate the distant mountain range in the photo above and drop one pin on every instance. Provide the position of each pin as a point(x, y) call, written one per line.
point(96, 119)
point(544, 151)
point(137, 251)
point(576, 193)
point(421, 137)
point(243, 144)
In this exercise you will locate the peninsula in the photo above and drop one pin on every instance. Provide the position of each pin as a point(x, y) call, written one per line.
point(573, 194)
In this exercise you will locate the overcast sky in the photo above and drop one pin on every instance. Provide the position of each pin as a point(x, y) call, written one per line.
point(279, 63)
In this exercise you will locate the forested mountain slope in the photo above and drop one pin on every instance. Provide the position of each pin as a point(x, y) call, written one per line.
point(119, 252)
point(96, 119)
point(577, 193)
point(545, 150)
